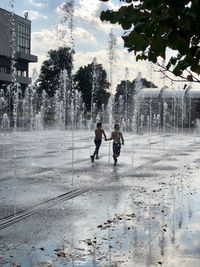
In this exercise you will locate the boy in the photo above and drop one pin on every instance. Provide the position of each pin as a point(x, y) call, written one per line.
point(117, 138)
point(98, 139)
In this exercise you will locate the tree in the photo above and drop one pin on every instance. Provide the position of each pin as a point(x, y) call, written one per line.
point(152, 26)
point(124, 96)
point(91, 81)
point(49, 78)
point(127, 89)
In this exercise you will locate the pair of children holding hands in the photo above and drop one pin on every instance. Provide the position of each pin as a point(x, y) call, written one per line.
point(116, 136)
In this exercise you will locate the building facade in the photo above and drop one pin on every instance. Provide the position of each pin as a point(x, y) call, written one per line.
point(169, 107)
point(15, 49)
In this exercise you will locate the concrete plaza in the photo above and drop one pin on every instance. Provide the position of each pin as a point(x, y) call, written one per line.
point(59, 209)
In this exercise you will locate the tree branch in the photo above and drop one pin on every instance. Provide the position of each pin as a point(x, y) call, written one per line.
point(184, 79)
point(193, 76)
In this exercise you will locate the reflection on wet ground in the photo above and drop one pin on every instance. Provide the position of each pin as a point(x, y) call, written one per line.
point(144, 212)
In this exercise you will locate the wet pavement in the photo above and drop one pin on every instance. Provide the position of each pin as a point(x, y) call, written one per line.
point(59, 209)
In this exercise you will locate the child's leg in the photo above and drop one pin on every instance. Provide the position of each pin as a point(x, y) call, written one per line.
point(96, 152)
point(116, 152)
point(92, 156)
point(115, 160)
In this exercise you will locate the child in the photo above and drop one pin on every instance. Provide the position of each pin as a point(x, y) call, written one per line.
point(117, 138)
point(98, 139)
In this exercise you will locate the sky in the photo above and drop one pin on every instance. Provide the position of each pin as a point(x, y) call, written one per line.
point(90, 35)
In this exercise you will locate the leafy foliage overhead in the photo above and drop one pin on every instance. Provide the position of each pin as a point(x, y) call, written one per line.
point(152, 26)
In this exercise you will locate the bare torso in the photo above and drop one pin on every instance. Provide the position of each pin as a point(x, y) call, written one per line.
point(117, 136)
point(98, 133)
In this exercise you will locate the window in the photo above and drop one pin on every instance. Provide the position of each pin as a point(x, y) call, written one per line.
point(23, 40)
point(4, 70)
point(22, 73)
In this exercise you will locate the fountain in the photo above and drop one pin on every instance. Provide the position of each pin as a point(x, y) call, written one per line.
point(46, 143)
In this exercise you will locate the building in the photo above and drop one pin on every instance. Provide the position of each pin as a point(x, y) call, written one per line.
point(169, 107)
point(15, 49)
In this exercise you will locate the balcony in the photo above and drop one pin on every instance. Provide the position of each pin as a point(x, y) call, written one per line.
point(26, 57)
point(19, 79)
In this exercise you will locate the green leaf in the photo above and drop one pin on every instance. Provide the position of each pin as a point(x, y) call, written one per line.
point(109, 16)
point(181, 45)
point(139, 27)
point(135, 40)
point(195, 68)
point(177, 71)
point(171, 37)
point(168, 65)
point(166, 20)
point(152, 57)
point(126, 24)
point(189, 78)
point(141, 57)
point(173, 60)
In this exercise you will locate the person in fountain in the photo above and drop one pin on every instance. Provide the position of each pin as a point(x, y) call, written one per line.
point(97, 140)
point(118, 139)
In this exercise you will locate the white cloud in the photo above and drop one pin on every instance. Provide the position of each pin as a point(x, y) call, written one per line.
point(90, 43)
point(40, 5)
point(87, 13)
point(43, 41)
point(91, 8)
point(48, 39)
point(35, 15)
point(82, 36)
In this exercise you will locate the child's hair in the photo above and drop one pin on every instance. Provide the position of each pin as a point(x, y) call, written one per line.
point(99, 124)
point(116, 126)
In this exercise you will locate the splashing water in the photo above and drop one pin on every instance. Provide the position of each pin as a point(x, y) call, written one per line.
point(66, 26)
point(112, 41)
point(126, 100)
point(136, 112)
point(94, 85)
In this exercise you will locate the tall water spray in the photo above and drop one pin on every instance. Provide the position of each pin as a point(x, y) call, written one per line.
point(111, 56)
point(65, 31)
point(12, 90)
point(12, 85)
point(67, 35)
point(112, 41)
point(126, 99)
point(94, 86)
point(136, 105)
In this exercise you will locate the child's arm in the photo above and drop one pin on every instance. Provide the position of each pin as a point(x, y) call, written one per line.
point(122, 139)
point(95, 133)
point(104, 135)
point(108, 139)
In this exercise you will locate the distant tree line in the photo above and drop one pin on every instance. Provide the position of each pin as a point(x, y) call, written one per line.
point(91, 80)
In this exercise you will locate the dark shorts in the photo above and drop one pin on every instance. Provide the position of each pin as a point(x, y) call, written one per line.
point(116, 149)
point(97, 143)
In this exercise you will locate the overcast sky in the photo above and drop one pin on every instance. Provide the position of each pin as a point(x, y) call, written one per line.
point(91, 36)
